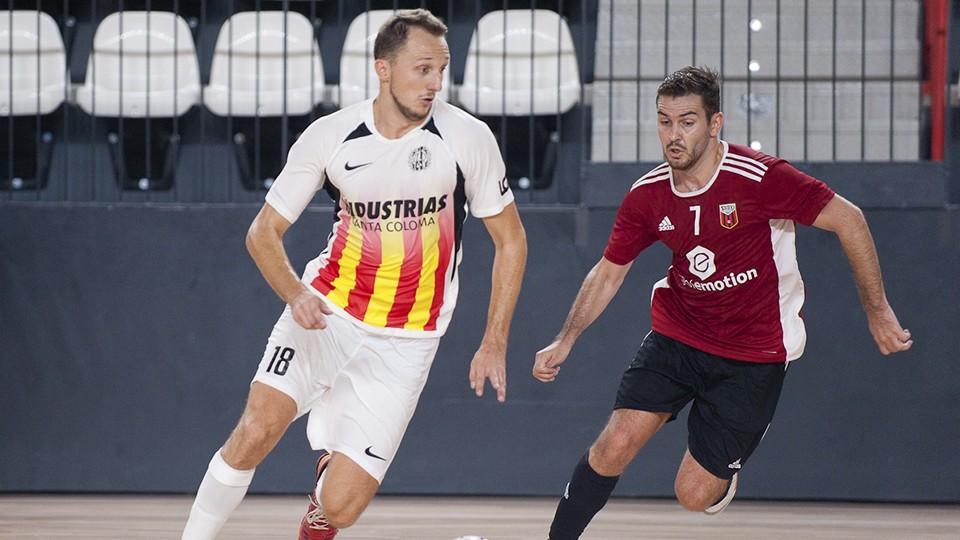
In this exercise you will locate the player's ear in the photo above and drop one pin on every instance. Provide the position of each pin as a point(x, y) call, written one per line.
point(382, 67)
point(716, 124)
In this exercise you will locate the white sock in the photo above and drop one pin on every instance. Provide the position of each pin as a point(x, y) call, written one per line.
point(319, 486)
point(220, 492)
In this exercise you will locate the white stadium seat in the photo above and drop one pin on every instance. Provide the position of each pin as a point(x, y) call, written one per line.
point(520, 62)
point(33, 73)
point(265, 64)
point(358, 80)
point(143, 64)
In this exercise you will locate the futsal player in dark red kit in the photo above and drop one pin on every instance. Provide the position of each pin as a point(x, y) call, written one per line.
point(726, 318)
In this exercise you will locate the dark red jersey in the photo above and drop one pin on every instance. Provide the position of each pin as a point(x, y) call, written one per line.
point(733, 288)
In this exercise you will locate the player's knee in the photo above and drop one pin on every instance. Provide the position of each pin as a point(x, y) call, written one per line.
point(260, 432)
point(251, 442)
point(341, 513)
point(693, 502)
point(694, 496)
point(612, 453)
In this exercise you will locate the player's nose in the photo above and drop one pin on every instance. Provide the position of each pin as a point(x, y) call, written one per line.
point(435, 82)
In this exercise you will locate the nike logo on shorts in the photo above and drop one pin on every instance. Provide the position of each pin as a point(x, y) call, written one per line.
point(371, 454)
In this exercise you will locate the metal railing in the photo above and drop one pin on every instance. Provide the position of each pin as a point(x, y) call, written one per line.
point(811, 80)
point(153, 120)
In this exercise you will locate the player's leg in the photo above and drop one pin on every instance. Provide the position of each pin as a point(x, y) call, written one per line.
point(597, 472)
point(346, 490)
point(285, 380)
point(265, 418)
point(697, 488)
point(729, 417)
point(623, 436)
point(648, 397)
point(361, 420)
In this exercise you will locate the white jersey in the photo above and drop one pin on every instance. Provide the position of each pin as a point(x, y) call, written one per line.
point(390, 261)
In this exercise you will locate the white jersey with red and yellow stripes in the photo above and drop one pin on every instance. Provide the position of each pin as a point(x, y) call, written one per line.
point(390, 261)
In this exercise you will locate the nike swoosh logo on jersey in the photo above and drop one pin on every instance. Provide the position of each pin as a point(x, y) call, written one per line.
point(371, 454)
point(349, 167)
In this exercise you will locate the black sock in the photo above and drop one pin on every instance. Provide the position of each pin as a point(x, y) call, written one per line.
point(586, 494)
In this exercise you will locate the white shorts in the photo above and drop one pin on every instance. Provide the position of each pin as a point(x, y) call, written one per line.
point(360, 388)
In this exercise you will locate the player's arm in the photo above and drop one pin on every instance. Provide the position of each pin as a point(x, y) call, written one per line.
point(265, 244)
point(599, 287)
point(847, 221)
point(510, 259)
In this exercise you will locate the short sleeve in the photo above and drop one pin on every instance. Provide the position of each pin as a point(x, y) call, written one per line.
point(787, 193)
point(301, 177)
point(484, 172)
point(630, 234)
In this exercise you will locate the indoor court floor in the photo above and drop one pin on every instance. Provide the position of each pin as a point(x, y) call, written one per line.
point(392, 517)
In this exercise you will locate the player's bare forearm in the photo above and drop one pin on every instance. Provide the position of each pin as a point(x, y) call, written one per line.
point(265, 244)
point(489, 362)
point(509, 263)
point(598, 288)
point(848, 222)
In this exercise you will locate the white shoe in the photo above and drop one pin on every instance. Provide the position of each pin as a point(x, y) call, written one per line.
point(725, 501)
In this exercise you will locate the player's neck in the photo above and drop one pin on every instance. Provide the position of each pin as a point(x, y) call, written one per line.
point(697, 176)
point(389, 121)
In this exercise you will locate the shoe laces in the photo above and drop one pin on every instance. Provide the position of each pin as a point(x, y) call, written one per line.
point(316, 519)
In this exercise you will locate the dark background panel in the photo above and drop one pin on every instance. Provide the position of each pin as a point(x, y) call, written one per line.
point(129, 335)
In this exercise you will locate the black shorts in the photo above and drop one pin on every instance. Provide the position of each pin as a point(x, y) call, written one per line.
point(733, 401)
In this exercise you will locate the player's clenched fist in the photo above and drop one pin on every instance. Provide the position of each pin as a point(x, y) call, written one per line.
point(546, 366)
point(309, 311)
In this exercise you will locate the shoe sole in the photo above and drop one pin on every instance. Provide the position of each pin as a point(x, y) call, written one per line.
point(725, 501)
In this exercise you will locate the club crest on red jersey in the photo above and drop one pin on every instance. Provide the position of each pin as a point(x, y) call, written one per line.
point(728, 215)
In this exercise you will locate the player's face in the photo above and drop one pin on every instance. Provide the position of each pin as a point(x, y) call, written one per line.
point(684, 129)
point(415, 75)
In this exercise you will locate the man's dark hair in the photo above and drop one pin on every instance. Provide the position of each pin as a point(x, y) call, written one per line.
point(392, 35)
point(700, 81)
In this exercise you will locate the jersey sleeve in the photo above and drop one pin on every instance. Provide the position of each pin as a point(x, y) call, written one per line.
point(301, 177)
point(630, 234)
point(485, 173)
point(787, 193)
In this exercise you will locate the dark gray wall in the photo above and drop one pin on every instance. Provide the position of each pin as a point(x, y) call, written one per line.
point(128, 335)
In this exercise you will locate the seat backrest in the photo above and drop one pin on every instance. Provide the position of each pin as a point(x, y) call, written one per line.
point(143, 63)
point(33, 72)
point(265, 64)
point(520, 62)
point(358, 78)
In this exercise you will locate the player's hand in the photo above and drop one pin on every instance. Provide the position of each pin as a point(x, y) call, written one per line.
point(546, 366)
point(888, 333)
point(309, 311)
point(490, 365)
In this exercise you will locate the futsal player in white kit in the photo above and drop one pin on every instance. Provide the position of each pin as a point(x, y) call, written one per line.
point(726, 318)
point(355, 343)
